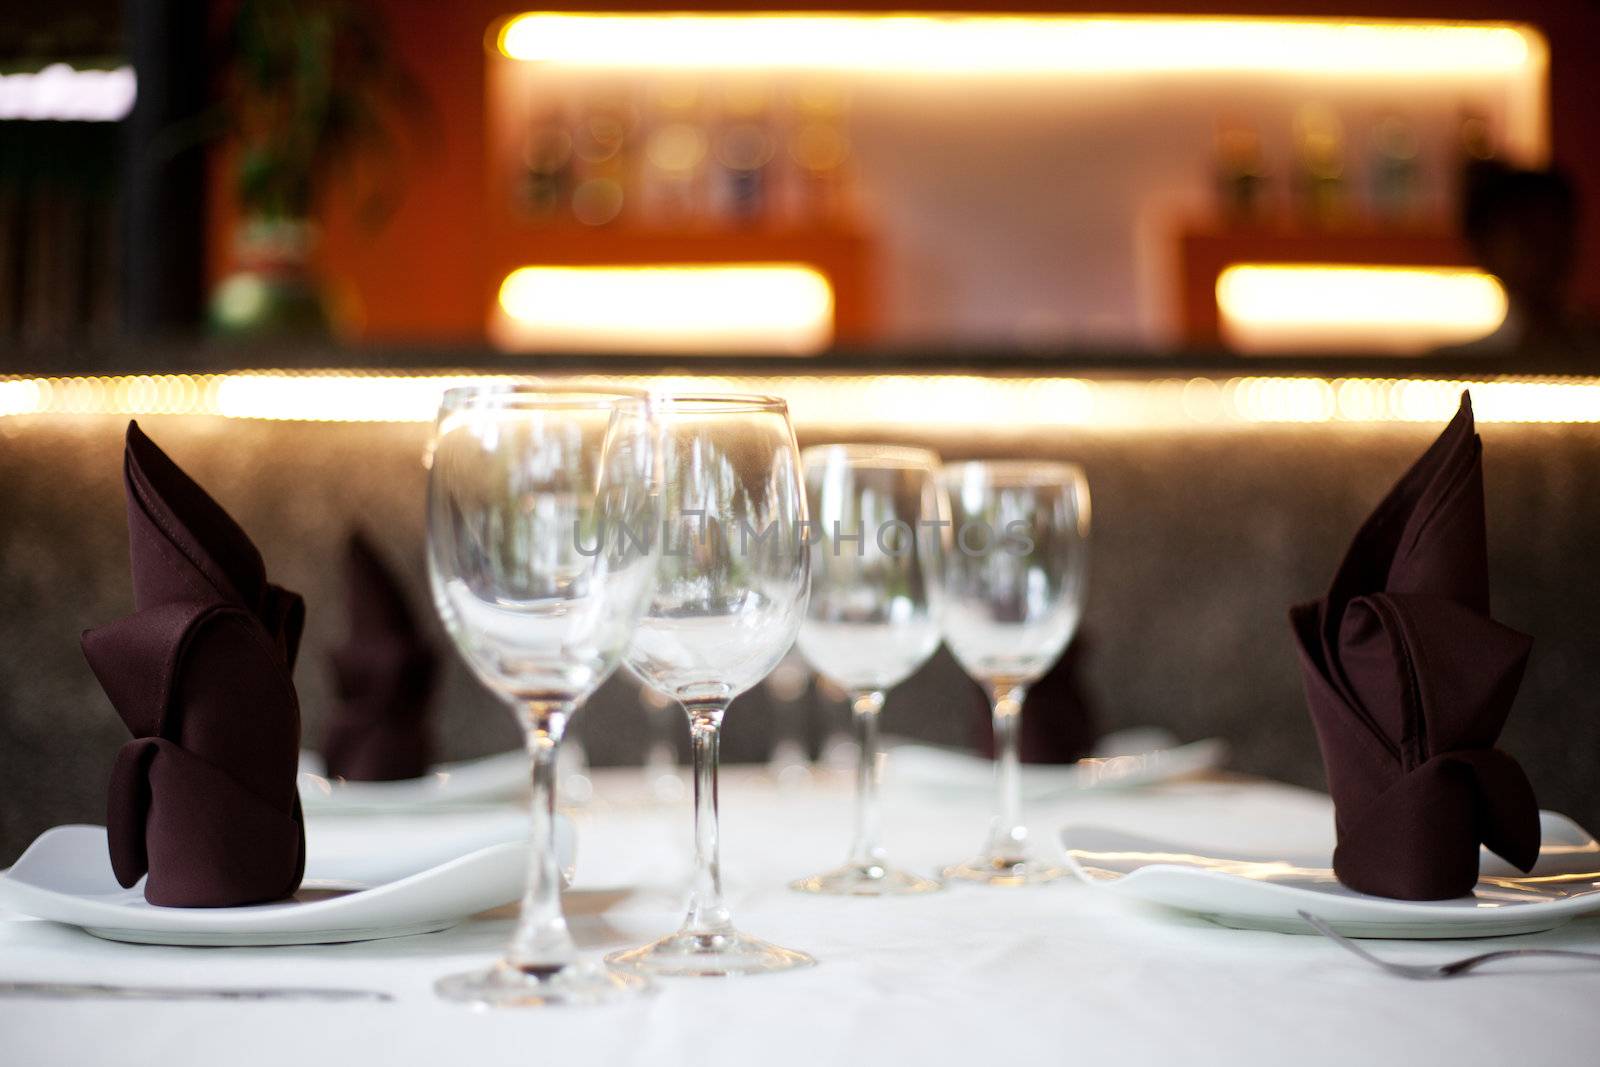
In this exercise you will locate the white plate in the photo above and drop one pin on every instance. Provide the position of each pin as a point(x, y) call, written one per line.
point(948, 771)
point(489, 779)
point(349, 893)
point(1260, 892)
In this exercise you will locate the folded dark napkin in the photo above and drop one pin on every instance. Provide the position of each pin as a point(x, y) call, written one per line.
point(384, 676)
point(204, 797)
point(1409, 682)
point(1059, 724)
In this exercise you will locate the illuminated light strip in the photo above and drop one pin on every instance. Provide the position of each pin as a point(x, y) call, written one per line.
point(957, 44)
point(165, 394)
point(335, 398)
point(59, 93)
point(926, 404)
point(1282, 306)
point(725, 307)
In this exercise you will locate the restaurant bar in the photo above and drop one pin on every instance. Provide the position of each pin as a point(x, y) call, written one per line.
point(696, 533)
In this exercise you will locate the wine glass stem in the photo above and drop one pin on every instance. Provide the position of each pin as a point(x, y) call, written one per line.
point(867, 849)
point(1008, 838)
point(541, 941)
point(708, 915)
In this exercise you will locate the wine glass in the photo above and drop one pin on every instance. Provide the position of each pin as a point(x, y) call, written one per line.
point(530, 494)
point(1014, 582)
point(877, 516)
point(729, 595)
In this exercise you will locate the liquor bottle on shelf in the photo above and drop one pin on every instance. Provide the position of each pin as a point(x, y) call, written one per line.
point(1319, 148)
point(673, 164)
point(547, 166)
point(1241, 175)
point(1476, 155)
point(819, 149)
point(1396, 179)
point(743, 147)
point(601, 147)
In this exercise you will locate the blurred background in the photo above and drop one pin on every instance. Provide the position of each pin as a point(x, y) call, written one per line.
point(1118, 178)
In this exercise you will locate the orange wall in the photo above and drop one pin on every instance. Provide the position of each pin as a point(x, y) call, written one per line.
point(423, 278)
point(419, 278)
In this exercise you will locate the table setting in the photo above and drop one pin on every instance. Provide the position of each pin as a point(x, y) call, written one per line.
point(353, 896)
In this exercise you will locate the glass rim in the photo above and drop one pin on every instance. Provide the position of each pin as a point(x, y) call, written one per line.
point(534, 395)
point(888, 456)
point(1024, 472)
point(705, 403)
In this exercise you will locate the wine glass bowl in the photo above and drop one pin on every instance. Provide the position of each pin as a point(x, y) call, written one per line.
point(1014, 582)
point(729, 592)
point(528, 492)
point(515, 489)
point(731, 574)
point(878, 517)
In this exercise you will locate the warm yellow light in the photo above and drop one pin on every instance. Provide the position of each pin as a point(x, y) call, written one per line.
point(956, 44)
point(740, 307)
point(331, 397)
point(1278, 307)
point(1281, 399)
point(970, 407)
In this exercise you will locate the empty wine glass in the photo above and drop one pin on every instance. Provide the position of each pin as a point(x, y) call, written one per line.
point(1014, 581)
point(530, 492)
point(877, 517)
point(729, 595)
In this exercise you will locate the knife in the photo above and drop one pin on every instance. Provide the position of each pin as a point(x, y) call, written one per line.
point(89, 990)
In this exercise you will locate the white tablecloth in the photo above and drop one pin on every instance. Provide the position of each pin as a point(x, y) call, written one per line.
point(1058, 974)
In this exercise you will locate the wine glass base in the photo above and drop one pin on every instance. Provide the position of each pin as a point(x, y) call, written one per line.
point(505, 985)
point(688, 955)
point(866, 880)
point(1005, 872)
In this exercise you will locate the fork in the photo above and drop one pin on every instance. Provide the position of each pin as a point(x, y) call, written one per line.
point(1424, 971)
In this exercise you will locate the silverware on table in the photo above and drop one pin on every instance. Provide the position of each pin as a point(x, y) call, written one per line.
point(1441, 970)
point(97, 991)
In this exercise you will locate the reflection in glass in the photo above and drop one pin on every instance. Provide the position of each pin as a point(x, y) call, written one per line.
point(1014, 584)
point(527, 490)
point(729, 594)
point(877, 517)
